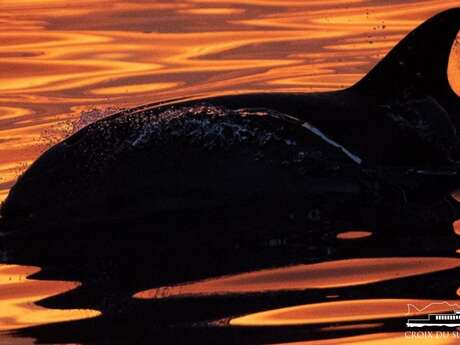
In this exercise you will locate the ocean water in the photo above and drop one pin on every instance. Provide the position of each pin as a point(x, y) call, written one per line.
point(65, 64)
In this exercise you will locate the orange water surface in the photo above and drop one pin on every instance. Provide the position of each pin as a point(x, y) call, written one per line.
point(340, 311)
point(353, 235)
point(18, 295)
point(61, 59)
point(382, 339)
point(322, 275)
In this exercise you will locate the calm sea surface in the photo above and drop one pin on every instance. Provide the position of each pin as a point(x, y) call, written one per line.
point(64, 64)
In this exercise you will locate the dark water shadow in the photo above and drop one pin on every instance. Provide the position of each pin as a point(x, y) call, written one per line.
point(113, 268)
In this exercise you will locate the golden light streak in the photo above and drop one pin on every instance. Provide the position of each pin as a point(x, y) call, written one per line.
point(341, 311)
point(18, 295)
point(380, 339)
point(327, 274)
point(352, 235)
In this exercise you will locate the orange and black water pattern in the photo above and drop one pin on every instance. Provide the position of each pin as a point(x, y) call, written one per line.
point(64, 61)
point(18, 295)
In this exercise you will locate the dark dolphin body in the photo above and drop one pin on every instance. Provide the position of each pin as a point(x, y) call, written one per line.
point(253, 167)
point(379, 154)
point(217, 156)
point(190, 189)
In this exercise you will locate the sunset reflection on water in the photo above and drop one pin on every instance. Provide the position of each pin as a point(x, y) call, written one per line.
point(18, 293)
point(322, 275)
point(60, 58)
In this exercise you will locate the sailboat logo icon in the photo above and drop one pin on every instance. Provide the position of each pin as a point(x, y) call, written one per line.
point(444, 319)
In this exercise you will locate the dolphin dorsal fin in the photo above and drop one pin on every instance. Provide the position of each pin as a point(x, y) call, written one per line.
point(417, 66)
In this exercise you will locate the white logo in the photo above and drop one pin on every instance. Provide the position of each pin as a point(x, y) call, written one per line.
point(450, 319)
